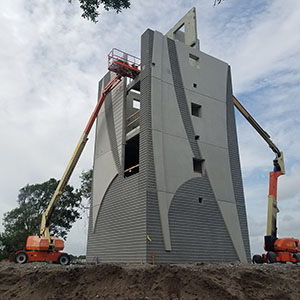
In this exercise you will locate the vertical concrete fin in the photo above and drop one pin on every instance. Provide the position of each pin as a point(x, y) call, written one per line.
point(235, 166)
point(230, 215)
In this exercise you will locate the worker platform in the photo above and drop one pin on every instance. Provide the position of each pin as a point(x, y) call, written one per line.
point(124, 64)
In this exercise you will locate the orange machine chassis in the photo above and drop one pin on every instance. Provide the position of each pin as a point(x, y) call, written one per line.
point(49, 256)
point(282, 257)
point(278, 249)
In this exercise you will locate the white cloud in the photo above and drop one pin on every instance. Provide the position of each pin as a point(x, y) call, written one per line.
point(289, 184)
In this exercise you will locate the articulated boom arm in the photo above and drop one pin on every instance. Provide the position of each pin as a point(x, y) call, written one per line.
point(278, 161)
point(46, 216)
point(278, 170)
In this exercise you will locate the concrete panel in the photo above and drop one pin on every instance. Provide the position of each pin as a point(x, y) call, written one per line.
point(210, 77)
point(211, 126)
point(169, 136)
point(118, 113)
point(198, 231)
point(178, 162)
point(181, 98)
point(159, 160)
point(164, 103)
point(218, 170)
point(160, 62)
point(170, 172)
point(164, 201)
point(235, 167)
point(230, 215)
point(104, 172)
point(114, 121)
point(120, 232)
point(102, 144)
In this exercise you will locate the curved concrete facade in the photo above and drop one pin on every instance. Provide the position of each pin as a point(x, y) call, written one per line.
point(183, 201)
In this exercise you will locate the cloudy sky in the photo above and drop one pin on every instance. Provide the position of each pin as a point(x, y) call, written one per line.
point(51, 60)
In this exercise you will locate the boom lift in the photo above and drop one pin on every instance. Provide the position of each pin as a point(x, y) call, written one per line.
point(43, 247)
point(283, 249)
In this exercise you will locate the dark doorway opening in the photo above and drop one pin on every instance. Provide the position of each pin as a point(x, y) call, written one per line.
point(132, 159)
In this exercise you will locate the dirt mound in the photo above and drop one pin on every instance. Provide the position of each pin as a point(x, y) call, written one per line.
point(37, 281)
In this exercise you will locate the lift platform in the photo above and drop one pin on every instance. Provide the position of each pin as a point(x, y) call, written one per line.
point(124, 64)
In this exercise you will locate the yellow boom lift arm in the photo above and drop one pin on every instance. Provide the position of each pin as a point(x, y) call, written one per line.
point(278, 249)
point(278, 161)
point(46, 216)
point(279, 169)
point(43, 247)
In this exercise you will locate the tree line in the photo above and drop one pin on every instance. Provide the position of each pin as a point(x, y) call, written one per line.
point(33, 199)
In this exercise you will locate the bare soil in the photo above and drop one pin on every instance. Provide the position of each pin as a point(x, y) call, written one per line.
point(37, 281)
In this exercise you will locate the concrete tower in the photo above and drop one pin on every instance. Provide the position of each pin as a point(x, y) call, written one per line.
point(167, 179)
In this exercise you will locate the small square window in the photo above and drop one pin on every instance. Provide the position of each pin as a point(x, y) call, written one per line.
point(198, 165)
point(136, 104)
point(194, 85)
point(200, 199)
point(194, 60)
point(194, 57)
point(196, 110)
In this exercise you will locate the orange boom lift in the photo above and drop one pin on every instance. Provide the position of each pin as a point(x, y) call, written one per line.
point(278, 249)
point(43, 247)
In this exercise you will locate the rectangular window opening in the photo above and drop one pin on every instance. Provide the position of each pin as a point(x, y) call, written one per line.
point(132, 149)
point(136, 103)
point(200, 199)
point(132, 111)
point(193, 57)
point(196, 110)
point(134, 87)
point(181, 28)
point(198, 165)
point(194, 60)
point(179, 34)
point(135, 91)
point(128, 80)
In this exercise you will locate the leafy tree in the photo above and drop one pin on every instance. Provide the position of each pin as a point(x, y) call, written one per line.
point(25, 219)
point(91, 7)
point(86, 184)
point(217, 2)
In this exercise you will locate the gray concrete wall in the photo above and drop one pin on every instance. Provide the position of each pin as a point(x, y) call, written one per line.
point(181, 228)
point(117, 223)
point(188, 216)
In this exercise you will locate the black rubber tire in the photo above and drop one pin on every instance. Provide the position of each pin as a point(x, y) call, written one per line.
point(297, 256)
point(257, 259)
point(271, 257)
point(21, 258)
point(64, 259)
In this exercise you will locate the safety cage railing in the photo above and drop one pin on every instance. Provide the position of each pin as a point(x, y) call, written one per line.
point(123, 64)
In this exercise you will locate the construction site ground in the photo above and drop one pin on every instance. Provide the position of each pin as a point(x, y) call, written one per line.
point(37, 281)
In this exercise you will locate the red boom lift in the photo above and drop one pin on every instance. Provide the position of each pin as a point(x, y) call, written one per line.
point(278, 249)
point(43, 247)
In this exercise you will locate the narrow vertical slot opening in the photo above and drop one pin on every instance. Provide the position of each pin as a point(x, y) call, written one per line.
point(132, 159)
